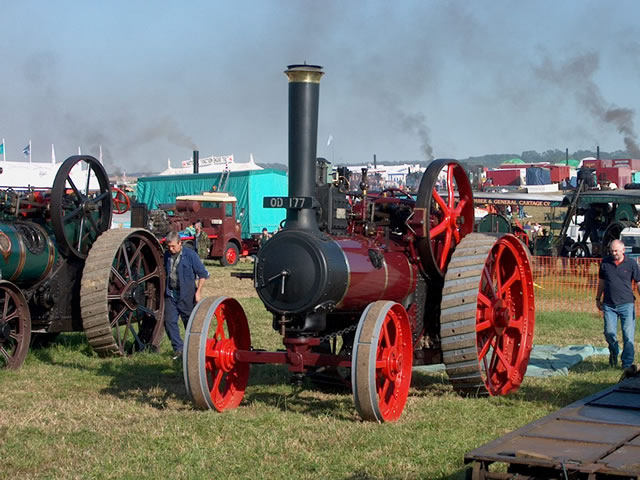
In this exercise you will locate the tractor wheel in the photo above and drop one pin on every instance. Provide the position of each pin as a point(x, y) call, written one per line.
point(448, 215)
point(487, 315)
point(382, 360)
point(15, 326)
point(80, 213)
point(212, 376)
point(612, 232)
point(579, 250)
point(122, 292)
point(230, 255)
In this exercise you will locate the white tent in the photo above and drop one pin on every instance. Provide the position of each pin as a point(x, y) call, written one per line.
point(212, 165)
point(40, 175)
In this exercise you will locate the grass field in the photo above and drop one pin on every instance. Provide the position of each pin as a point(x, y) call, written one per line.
point(70, 414)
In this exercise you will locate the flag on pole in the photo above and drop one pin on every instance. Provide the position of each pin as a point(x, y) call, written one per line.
point(79, 151)
point(27, 150)
point(53, 155)
point(330, 140)
point(100, 157)
point(2, 147)
point(4, 151)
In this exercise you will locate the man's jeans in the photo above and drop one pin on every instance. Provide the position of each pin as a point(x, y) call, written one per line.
point(627, 314)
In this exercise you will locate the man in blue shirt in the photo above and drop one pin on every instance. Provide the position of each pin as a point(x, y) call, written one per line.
point(616, 273)
point(184, 269)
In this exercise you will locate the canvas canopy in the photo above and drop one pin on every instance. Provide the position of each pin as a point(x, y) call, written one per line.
point(249, 188)
point(538, 176)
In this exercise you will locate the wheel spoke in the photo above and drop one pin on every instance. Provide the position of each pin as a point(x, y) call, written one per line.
point(450, 186)
point(510, 281)
point(220, 335)
point(485, 347)
point(88, 180)
point(504, 360)
point(117, 276)
point(483, 325)
point(5, 307)
point(445, 250)
point(386, 383)
point(482, 298)
point(77, 193)
point(153, 274)
point(71, 215)
point(116, 319)
point(443, 205)
point(98, 198)
point(4, 354)
point(123, 249)
point(437, 230)
point(135, 257)
point(215, 389)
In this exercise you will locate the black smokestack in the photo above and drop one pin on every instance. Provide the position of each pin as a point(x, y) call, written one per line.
point(375, 163)
point(598, 152)
point(196, 161)
point(304, 92)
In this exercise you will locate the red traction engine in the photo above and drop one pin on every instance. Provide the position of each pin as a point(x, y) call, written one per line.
point(363, 287)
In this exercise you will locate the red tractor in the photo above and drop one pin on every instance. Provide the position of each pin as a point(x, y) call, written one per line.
point(364, 288)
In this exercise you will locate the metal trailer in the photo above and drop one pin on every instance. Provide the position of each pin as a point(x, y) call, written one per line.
point(595, 438)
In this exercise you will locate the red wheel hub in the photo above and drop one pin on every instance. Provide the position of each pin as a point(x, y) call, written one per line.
point(222, 352)
point(231, 256)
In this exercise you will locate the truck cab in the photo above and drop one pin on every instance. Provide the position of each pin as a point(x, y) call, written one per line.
point(217, 212)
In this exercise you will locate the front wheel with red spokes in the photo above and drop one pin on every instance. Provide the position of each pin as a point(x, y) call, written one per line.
point(487, 315)
point(381, 362)
point(446, 198)
point(15, 326)
point(217, 329)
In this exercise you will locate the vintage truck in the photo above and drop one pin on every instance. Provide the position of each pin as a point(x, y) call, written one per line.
point(220, 220)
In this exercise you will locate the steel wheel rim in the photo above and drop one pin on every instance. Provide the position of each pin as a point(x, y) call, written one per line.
point(15, 326)
point(382, 361)
point(447, 219)
point(505, 316)
point(134, 282)
point(74, 208)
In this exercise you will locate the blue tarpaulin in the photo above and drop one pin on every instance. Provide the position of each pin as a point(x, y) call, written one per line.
point(538, 176)
point(249, 187)
point(546, 360)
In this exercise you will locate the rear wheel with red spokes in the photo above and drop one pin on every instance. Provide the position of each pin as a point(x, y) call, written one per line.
point(382, 360)
point(217, 329)
point(445, 195)
point(488, 315)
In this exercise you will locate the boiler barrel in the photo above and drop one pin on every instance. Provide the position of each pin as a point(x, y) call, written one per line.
point(27, 252)
point(297, 272)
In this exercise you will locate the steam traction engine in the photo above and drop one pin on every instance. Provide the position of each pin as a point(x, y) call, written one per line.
point(63, 270)
point(371, 285)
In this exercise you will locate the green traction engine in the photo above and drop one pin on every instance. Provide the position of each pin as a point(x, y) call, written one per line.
point(62, 269)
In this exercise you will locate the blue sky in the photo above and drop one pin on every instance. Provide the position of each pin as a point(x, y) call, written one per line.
point(151, 80)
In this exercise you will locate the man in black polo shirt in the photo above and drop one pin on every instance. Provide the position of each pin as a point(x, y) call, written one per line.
point(616, 273)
